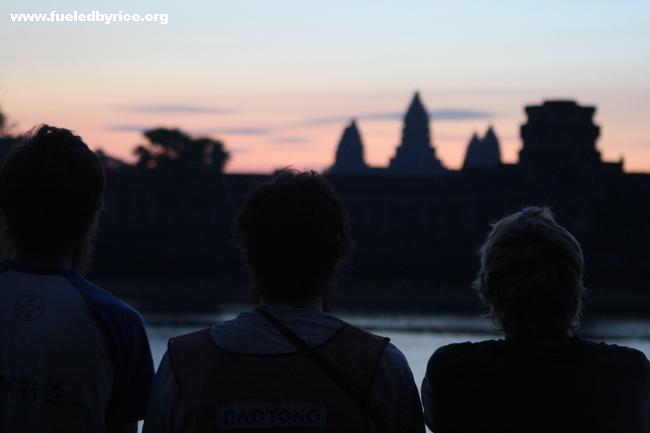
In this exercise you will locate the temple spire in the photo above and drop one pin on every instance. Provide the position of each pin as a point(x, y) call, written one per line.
point(472, 149)
point(349, 153)
point(483, 153)
point(491, 147)
point(415, 155)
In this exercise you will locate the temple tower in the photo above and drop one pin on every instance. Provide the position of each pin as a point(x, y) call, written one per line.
point(349, 153)
point(483, 153)
point(560, 136)
point(415, 155)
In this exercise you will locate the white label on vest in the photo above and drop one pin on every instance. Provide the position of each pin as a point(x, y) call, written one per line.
point(271, 415)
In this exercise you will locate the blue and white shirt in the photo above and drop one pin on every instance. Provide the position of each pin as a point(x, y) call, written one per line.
point(72, 356)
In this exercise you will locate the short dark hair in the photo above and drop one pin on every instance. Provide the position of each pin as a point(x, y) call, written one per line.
point(531, 275)
point(293, 232)
point(51, 188)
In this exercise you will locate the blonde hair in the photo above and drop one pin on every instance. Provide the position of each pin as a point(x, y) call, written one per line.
point(531, 275)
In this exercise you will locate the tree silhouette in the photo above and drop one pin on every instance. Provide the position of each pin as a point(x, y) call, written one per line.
point(110, 163)
point(175, 148)
point(5, 127)
point(3, 123)
point(7, 140)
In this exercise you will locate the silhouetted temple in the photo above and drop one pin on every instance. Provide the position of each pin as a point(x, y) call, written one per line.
point(415, 155)
point(349, 153)
point(166, 238)
point(560, 137)
point(483, 152)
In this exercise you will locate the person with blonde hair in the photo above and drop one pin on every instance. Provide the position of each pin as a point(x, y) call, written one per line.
point(541, 377)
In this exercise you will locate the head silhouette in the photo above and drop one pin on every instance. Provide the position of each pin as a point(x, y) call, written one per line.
point(531, 275)
point(293, 232)
point(51, 190)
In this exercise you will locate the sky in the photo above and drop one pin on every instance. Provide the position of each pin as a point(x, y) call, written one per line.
point(278, 80)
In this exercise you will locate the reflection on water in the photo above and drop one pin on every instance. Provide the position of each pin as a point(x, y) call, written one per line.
point(418, 336)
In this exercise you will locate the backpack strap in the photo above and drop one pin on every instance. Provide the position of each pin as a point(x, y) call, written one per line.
point(324, 365)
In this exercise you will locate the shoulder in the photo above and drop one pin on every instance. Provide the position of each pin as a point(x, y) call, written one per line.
point(605, 353)
point(250, 332)
point(459, 353)
point(362, 334)
point(104, 302)
point(98, 298)
point(389, 360)
point(465, 349)
point(453, 367)
point(367, 345)
point(395, 362)
point(189, 344)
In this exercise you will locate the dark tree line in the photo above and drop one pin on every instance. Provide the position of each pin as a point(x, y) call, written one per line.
point(169, 148)
point(165, 149)
point(7, 140)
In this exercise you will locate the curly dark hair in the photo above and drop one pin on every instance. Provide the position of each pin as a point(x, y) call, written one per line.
point(531, 275)
point(293, 232)
point(51, 190)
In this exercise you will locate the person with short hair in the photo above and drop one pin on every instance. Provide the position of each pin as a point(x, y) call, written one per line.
point(289, 365)
point(73, 358)
point(541, 377)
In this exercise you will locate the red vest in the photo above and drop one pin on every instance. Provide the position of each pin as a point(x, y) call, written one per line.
point(242, 393)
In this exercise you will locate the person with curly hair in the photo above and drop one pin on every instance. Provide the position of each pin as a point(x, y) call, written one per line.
point(541, 377)
point(73, 357)
point(288, 365)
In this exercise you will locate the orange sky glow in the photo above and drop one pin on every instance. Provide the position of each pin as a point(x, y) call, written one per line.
point(278, 81)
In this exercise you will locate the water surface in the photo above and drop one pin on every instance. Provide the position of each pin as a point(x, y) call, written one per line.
point(417, 336)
